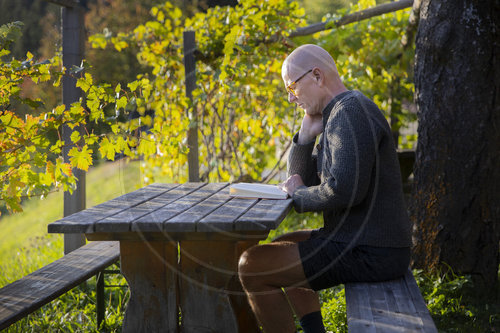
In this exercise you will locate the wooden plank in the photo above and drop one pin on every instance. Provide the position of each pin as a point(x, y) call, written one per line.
point(135, 204)
point(185, 203)
point(207, 268)
point(223, 218)
point(407, 313)
point(26, 295)
point(84, 221)
point(359, 314)
point(187, 221)
point(179, 236)
point(153, 222)
point(419, 303)
point(141, 195)
point(121, 222)
point(265, 215)
point(389, 306)
point(380, 304)
point(151, 272)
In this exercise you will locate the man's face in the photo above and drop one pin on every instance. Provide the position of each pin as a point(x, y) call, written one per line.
point(301, 88)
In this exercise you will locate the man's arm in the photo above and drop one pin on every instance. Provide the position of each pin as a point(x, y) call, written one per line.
point(301, 159)
point(311, 127)
point(353, 139)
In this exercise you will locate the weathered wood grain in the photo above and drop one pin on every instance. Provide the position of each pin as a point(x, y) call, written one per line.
point(224, 217)
point(150, 269)
point(187, 223)
point(84, 221)
point(153, 222)
point(419, 303)
point(206, 270)
point(265, 215)
point(390, 306)
point(188, 220)
point(24, 296)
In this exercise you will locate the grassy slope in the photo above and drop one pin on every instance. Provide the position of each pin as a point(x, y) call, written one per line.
point(25, 244)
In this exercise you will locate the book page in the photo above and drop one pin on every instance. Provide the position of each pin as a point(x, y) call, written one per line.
point(256, 190)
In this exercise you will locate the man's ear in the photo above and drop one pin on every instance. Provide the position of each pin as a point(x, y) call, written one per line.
point(318, 75)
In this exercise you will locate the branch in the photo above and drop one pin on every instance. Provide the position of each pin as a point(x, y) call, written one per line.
point(354, 17)
point(317, 27)
point(412, 24)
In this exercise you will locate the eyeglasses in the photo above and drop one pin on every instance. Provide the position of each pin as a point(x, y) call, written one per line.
point(289, 88)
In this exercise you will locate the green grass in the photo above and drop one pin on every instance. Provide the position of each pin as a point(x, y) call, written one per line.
point(26, 246)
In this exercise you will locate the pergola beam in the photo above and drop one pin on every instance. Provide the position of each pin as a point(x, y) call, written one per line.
point(65, 3)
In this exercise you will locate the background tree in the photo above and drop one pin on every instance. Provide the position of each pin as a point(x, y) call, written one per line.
point(109, 18)
point(30, 12)
point(456, 197)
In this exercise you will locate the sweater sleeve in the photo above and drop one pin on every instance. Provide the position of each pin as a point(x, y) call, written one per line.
point(302, 161)
point(349, 161)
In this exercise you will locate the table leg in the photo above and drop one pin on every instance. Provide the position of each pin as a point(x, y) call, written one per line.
point(147, 266)
point(210, 295)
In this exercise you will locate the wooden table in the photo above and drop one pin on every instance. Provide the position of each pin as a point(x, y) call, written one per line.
point(179, 251)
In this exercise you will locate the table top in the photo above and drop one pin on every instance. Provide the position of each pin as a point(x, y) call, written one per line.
point(176, 208)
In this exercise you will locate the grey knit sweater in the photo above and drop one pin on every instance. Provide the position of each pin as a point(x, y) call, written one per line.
point(352, 175)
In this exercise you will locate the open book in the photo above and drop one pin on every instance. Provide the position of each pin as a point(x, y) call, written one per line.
point(255, 190)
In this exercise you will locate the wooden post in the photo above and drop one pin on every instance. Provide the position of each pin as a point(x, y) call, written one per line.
point(73, 41)
point(190, 73)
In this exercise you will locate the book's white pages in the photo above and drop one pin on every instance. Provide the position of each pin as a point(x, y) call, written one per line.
point(255, 190)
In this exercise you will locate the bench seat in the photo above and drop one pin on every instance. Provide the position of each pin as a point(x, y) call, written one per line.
point(26, 295)
point(389, 306)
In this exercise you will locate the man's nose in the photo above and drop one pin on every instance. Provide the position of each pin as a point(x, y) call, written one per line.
point(291, 97)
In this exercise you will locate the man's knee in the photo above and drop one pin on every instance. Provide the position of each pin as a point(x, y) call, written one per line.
point(247, 266)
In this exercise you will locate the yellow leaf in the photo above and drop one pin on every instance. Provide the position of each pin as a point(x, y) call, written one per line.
point(81, 159)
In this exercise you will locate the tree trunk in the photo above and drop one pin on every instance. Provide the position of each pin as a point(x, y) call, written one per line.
point(455, 204)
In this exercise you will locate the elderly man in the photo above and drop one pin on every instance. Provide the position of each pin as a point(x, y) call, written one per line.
point(351, 175)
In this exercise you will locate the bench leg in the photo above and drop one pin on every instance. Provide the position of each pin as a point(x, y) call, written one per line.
point(100, 298)
point(210, 295)
point(147, 266)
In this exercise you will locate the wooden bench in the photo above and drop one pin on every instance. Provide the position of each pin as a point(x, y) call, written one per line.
point(390, 306)
point(28, 294)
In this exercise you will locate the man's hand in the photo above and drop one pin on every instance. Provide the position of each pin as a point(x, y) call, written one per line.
point(312, 126)
point(291, 184)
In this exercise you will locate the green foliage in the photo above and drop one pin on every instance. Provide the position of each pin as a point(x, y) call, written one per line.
point(333, 309)
point(370, 57)
point(316, 9)
point(29, 159)
point(456, 306)
point(31, 146)
point(239, 104)
point(9, 33)
point(240, 119)
point(31, 13)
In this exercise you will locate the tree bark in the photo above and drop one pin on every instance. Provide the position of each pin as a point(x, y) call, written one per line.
point(455, 203)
